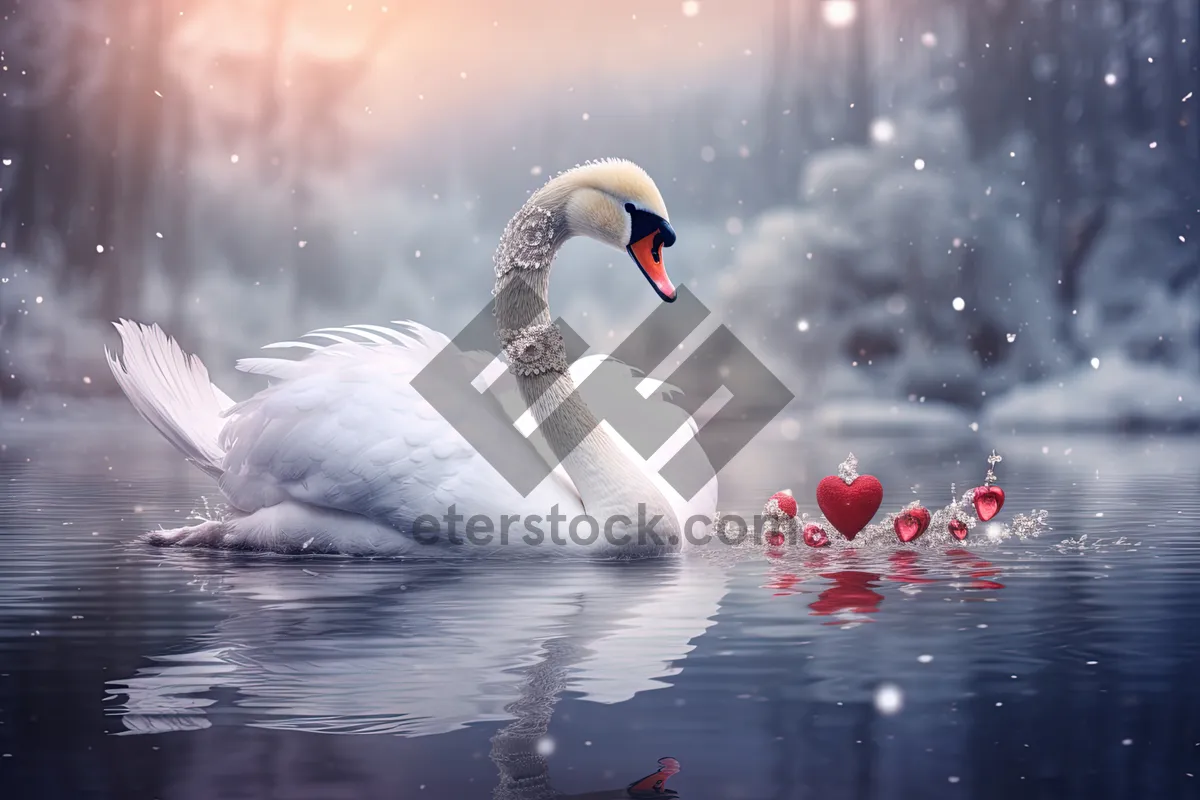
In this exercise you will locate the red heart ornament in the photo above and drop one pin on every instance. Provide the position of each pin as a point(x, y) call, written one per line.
point(988, 502)
point(958, 529)
point(849, 507)
point(780, 504)
point(911, 523)
point(815, 536)
point(775, 539)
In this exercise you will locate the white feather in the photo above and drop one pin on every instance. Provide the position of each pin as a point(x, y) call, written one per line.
point(171, 390)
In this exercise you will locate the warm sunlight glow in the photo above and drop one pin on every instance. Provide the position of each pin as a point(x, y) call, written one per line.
point(839, 13)
point(390, 74)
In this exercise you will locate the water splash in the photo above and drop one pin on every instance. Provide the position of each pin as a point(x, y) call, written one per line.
point(209, 511)
point(1081, 544)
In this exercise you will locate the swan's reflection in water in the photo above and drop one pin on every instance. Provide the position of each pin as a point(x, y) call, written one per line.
point(854, 578)
point(414, 649)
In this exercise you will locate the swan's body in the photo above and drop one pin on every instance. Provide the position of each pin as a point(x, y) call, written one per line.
point(343, 454)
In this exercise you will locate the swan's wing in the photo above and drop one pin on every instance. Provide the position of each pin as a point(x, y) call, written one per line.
point(343, 428)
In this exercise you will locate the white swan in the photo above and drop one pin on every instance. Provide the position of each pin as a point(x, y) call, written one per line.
point(342, 454)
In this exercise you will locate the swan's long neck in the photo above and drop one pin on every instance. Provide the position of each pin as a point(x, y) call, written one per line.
point(609, 483)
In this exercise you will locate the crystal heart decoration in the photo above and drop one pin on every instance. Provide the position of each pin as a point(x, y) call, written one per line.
point(911, 523)
point(815, 536)
point(988, 501)
point(958, 529)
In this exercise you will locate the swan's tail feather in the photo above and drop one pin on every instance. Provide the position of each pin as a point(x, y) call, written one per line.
point(172, 391)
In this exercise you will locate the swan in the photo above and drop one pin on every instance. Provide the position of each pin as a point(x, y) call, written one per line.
point(341, 454)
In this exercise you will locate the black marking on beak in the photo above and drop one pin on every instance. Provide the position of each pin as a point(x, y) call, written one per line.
point(644, 223)
point(667, 231)
point(649, 233)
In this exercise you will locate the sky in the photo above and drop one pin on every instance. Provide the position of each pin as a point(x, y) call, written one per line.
point(456, 60)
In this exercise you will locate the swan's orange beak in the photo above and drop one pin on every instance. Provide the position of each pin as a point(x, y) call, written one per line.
point(647, 253)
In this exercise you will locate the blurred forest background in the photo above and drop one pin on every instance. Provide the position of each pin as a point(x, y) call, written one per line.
point(891, 201)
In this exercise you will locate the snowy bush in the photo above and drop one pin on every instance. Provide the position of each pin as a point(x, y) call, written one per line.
point(866, 274)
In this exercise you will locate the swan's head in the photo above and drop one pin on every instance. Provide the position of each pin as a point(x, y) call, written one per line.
point(616, 202)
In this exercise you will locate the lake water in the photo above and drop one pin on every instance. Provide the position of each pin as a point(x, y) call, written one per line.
point(1057, 667)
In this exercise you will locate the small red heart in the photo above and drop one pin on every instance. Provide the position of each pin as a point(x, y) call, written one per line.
point(849, 507)
point(775, 539)
point(781, 503)
point(911, 523)
point(958, 529)
point(815, 536)
point(988, 502)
